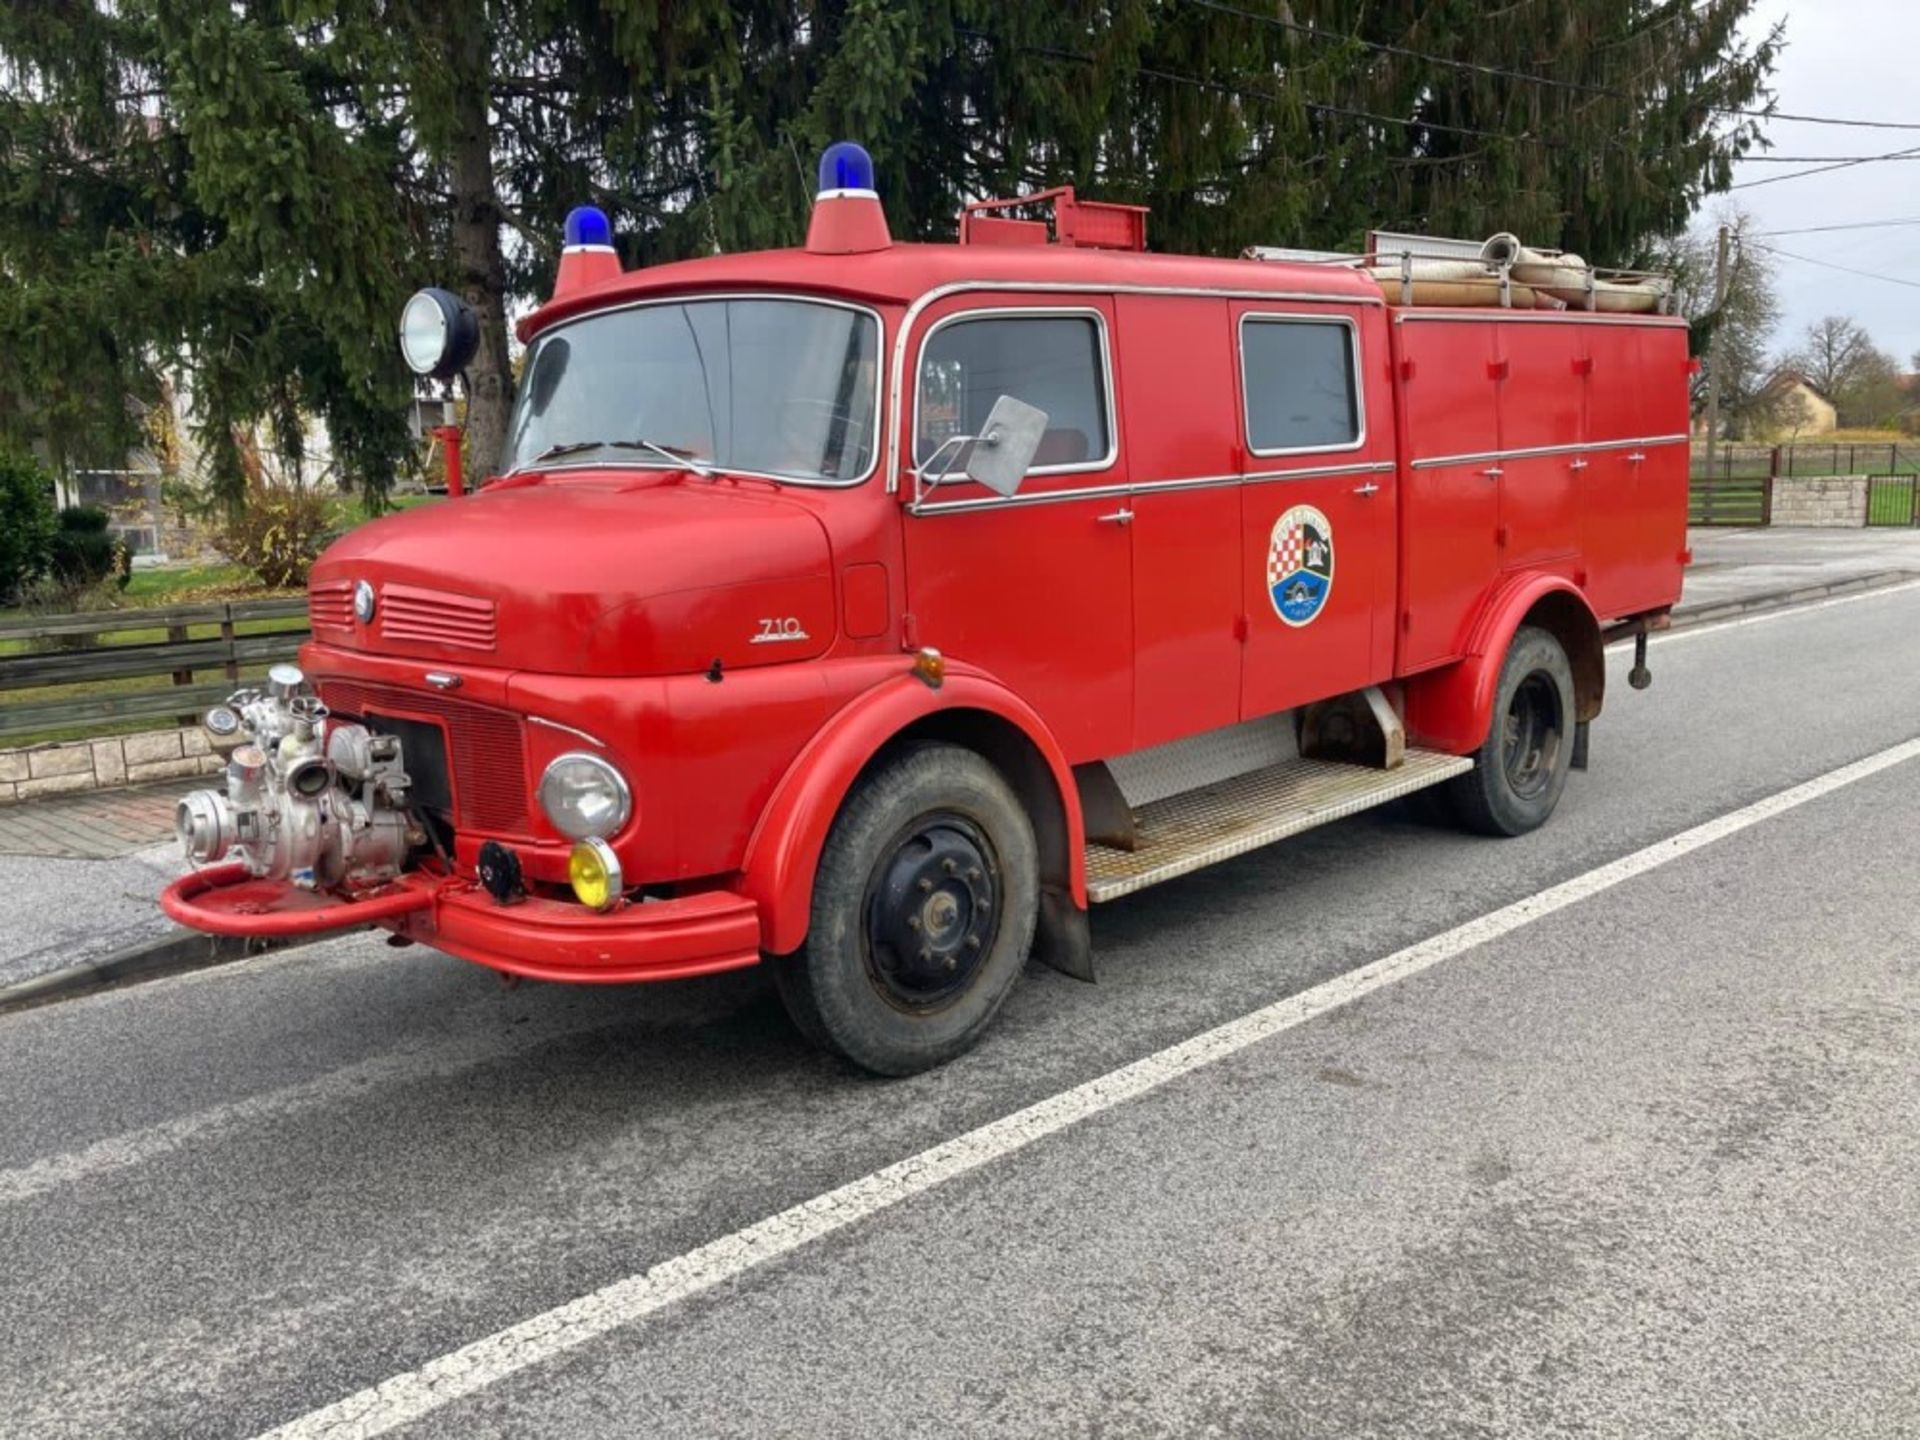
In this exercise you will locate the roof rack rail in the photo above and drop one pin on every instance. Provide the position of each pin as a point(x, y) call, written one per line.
point(1077, 224)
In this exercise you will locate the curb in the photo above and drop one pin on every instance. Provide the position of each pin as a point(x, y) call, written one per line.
point(174, 954)
point(188, 950)
point(1685, 618)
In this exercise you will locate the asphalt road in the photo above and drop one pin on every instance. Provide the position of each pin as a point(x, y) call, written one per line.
point(1646, 1164)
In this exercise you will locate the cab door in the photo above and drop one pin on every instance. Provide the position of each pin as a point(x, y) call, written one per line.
point(1036, 588)
point(1317, 507)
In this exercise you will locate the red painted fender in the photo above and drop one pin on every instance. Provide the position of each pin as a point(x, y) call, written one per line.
point(784, 850)
point(1451, 708)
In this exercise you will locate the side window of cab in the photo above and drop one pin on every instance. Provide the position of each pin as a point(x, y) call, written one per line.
point(1055, 360)
point(1301, 384)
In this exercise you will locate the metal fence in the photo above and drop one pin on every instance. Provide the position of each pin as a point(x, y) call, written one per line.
point(76, 674)
point(1733, 461)
point(1893, 500)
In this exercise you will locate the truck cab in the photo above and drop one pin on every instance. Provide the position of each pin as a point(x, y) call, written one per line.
point(870, 610)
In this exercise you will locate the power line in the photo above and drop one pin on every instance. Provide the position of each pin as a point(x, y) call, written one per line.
point(1494, 71)
point(1829, 265)
point(1275, 98)
point(1829, 229)
point(1825, 169)
point(1826, 159)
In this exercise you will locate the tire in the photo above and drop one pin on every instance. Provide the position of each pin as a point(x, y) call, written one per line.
point(1521, 767)
point(923, 913)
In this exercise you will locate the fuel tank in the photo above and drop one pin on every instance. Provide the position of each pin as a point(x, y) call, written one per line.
point(611, 574)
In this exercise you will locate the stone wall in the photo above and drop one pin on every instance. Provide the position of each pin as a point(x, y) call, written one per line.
point(102, 764)
point(1830, 502)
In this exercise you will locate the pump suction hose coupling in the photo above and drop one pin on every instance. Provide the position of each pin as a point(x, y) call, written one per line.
point(204, 822)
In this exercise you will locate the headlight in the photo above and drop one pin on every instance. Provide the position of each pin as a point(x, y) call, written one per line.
point(584, 796)
point(439, 333)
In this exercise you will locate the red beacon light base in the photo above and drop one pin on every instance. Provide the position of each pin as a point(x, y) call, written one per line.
point(588, 257)
point(1077, 224)
point(847, 218)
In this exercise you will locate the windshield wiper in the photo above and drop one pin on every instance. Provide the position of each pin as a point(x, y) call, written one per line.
point(673, 454)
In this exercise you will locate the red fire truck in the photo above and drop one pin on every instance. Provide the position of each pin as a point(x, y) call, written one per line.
point(871, 610)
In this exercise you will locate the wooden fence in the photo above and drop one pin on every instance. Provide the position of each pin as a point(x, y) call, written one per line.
point(164, 665)
point(1730, 502)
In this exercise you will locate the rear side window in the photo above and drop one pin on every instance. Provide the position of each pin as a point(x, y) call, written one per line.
point(1300, 385)
point(1055, 362)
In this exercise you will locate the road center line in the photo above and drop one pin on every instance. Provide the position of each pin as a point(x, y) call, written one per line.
point(408, 1396)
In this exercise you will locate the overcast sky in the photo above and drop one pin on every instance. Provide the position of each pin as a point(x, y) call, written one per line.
point(1855, 59)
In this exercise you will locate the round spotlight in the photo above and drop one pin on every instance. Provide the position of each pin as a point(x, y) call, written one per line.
point(439, 333)
point(594, 873)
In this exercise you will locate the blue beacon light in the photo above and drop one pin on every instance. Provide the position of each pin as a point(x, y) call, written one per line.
point(846, 166)
point(587, 225)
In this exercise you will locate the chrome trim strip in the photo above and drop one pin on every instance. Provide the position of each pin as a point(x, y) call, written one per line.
point(895, 428)
point(1316, 472)
point(566, 730)
point(1037, 312)
point(1269, 317)
point(1156, 487)
point(695, 296)
point(1537, 452)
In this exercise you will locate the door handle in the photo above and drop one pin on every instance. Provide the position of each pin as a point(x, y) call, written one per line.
point(1637, 458)
point(1367, 489)
point(1576, 464)
point(1493, 472)
point(1122, 516)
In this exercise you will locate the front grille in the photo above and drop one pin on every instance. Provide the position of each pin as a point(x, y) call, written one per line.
point(330, 605)
point(436, 617)
point(486, 749)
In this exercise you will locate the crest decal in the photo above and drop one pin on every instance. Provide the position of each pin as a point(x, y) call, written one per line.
point(1300, 565)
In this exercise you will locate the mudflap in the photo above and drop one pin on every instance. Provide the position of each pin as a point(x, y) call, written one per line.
point(1062, 938)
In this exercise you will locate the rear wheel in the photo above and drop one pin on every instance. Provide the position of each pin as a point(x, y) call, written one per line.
point(923, 913)
point(1521, 768)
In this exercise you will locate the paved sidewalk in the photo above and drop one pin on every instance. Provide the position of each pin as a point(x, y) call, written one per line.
point(94, 824)
point(1739, 564)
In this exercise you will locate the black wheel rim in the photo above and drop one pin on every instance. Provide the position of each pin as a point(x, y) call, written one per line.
point(1530, 747)
point(932, 913)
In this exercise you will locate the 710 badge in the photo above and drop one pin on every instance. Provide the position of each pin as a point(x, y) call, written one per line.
point(1300, 564)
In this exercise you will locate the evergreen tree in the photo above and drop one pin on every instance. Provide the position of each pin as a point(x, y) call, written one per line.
point(247, 192)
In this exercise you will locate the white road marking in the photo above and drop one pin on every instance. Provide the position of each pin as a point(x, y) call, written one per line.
point(1785, 612)
point(408, 1396)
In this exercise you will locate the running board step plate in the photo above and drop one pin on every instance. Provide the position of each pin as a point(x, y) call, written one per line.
point(1190, 831)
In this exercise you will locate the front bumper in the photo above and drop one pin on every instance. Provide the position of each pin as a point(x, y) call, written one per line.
point(697, 934)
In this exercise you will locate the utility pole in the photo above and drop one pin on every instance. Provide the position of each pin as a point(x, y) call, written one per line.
point(1718, 347)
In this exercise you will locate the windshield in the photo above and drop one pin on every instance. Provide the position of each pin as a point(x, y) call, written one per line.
point(774, 387)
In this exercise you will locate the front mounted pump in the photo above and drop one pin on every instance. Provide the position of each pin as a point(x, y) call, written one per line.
point(316, 802)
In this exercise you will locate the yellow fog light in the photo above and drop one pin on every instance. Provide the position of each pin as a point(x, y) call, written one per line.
point(594, 871)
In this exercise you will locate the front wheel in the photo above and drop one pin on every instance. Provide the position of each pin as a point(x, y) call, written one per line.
point(923, 913)
point(1521, 768)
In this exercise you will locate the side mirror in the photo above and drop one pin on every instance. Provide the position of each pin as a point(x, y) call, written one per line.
point(1006, 444)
